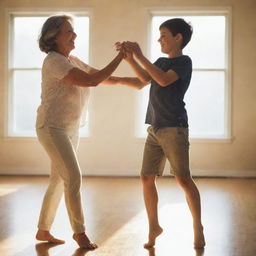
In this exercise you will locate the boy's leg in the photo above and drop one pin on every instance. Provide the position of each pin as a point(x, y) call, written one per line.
point(152, 166)
point(175, 144)
point(151, 201)
point(193, 200)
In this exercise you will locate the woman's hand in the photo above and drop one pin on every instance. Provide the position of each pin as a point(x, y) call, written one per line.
point(128, 55)
point(134, 48)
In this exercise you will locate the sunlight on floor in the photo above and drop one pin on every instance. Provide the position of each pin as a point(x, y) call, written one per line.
point(15, 243)
point(127, 238)
point(176, 222)
point(8, 189)
point(177, 238)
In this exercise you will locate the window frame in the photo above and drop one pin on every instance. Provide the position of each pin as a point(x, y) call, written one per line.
point(203, 11)
point(8, 58)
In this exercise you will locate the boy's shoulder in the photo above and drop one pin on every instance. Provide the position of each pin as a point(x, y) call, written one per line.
point(180, 60)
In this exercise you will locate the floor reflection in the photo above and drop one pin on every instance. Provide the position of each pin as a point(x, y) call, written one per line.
point(42, 249)
point(81, 252)
point(117, 221)
point(199, 252)
point(152, 252)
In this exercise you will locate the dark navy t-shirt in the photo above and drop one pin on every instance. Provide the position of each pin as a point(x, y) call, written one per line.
point(166, 106)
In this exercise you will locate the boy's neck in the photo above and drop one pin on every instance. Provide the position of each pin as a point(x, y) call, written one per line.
point(175, 53)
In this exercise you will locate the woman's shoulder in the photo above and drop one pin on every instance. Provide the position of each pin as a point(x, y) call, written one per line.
point(79, 63)
point(75, 59)
point(54, 58)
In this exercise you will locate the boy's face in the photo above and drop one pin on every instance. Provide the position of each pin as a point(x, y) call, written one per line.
point(167, 41)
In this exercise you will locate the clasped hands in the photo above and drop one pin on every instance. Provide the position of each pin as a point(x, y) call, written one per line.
point(129, 49)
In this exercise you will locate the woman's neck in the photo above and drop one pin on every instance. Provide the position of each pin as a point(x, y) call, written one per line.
point(63, 52)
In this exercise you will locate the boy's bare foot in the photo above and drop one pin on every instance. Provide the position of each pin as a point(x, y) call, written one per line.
point(84, 242)
point(199, 241)
point(153, 234)
point(43, 235)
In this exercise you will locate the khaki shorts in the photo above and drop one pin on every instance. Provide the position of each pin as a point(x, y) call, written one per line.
point(166, 142)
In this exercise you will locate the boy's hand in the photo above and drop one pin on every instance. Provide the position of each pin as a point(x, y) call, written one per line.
point(128, 55)
point(134, 48)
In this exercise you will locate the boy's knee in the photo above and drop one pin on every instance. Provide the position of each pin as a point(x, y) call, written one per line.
point(184, 181)
point(147, 178)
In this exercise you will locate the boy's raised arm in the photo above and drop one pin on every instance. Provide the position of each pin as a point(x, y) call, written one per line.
point(161, 77)
point(140, 72)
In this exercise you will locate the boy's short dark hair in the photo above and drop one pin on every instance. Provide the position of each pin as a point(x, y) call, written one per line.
point(177, 26)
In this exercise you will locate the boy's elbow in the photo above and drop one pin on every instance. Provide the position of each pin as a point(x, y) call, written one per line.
point(164, 83)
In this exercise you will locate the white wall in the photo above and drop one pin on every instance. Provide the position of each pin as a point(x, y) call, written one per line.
point(112, 148)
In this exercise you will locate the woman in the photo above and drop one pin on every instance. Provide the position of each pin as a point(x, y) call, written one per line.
point(65, 90)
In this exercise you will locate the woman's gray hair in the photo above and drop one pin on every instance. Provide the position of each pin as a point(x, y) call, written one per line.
point(50, 29)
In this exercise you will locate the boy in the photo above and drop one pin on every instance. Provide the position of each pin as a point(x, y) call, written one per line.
point(167, 117)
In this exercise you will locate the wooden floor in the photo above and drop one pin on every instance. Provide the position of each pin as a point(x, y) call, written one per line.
point(116, 218)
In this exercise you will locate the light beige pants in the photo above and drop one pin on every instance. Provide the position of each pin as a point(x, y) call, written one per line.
point(61, 147)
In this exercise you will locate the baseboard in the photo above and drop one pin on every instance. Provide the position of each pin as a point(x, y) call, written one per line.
point(225, 173)
point(132, 173)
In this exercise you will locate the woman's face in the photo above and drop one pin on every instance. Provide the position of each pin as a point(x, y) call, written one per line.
point(65, 39)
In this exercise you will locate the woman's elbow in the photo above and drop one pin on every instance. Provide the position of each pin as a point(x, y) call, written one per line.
point(85, 84)
point(142, 85)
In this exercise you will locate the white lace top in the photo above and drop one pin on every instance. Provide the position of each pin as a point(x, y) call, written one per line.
point(62, 105)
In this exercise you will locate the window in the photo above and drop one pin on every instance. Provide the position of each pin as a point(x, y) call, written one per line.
point(25, 62)
point(206, 100)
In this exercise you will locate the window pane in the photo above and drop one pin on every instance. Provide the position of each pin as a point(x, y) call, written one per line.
point(207, 45)
point(26, 99)
point(81, 28)
point(26, 88)
point(26, 30)
point(205, 99)
point(26, 53)
point(205, 105)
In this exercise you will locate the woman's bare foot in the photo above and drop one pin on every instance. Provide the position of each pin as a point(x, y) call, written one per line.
point(84, 242)
point(43, 235)
point(153, 234)
point(199, 241)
